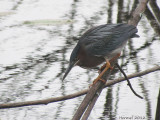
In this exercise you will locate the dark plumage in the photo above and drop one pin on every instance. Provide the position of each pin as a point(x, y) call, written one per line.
point(99, 44)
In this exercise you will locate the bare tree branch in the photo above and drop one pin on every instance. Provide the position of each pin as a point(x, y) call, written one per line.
point(92, 93)
point(95, 89)
point(151, 18)
point(77, 94)
point(155, 8)
point(137, 14)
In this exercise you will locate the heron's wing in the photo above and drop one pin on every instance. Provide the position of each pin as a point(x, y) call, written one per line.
point(104, 39)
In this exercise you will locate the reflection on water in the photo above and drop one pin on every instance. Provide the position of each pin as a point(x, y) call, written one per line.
point(34, 58)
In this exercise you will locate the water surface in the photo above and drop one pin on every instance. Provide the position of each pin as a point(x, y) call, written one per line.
point(36, 40)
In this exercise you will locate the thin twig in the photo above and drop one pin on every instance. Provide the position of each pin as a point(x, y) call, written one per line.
point(129, 84)
point(77, 94)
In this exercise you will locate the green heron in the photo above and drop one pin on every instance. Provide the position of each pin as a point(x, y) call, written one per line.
point(99, 44)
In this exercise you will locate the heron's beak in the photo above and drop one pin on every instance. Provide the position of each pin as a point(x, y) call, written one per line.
point(71, 65)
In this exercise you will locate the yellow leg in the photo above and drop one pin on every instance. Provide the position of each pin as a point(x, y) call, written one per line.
point(107, 66)
point(101, 74)
point(114, 58)
point(102, 68)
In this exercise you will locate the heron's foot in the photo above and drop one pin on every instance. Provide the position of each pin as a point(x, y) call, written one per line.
point(96, 80)
point(106, 67)
point(103, 67)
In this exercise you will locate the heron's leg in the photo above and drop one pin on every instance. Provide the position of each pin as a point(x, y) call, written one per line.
point(115, 57)
point(108, 65)
point(103, 66)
